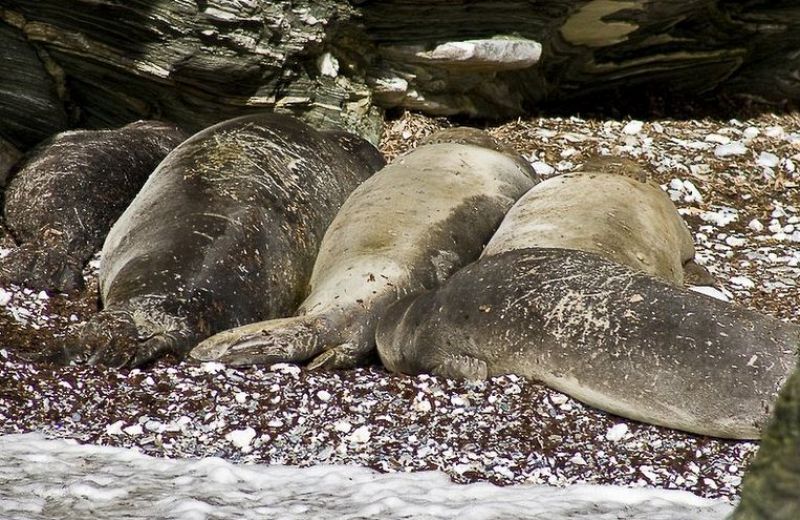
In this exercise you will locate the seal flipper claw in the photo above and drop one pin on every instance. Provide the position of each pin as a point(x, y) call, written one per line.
point(155, 348)
point(343, 356)
point(463, 367)
point(108, 339)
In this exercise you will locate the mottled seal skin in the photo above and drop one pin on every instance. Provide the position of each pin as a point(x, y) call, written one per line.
point(608, 208)
point(404, 230)
point(224, 232)
point(66, 195)
point(617, 339)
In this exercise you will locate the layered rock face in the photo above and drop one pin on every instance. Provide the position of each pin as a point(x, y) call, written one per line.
point(194, 63)
point(104, 63)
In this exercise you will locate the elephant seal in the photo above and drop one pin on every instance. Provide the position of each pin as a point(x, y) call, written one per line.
point(613, 337)
point(224, 232)
point(404, 230)
point(66, 195)
point(609, 208)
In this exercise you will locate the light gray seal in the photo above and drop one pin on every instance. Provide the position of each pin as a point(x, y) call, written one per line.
point(404, 230)
point(68, 192)
point(225, 232)
point(609, 208)
point(615, 338)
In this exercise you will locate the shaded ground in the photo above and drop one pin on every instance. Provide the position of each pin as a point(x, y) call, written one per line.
point(736, 183)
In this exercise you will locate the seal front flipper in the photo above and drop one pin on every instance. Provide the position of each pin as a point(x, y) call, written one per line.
point(345, 355)
point(284, 340)
point(129, 338)
point(696, 274)
point(162, 344)
point(109, 339)
point(462, 367)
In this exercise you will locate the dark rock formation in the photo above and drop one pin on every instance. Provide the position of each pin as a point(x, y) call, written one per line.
point(771, 488)
point(195, 63)
point(334, 61)
point(31, 102)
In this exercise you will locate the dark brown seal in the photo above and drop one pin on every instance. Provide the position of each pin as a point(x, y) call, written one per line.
point(66, 195)
point(224, 233)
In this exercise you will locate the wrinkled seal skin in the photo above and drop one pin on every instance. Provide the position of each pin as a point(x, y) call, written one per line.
point(225, 232)
point(65, 197)
point(608, 208)
point(620, 340)
point(404, 230)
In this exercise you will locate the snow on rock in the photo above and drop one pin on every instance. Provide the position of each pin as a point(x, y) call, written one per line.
point(115, 428)
point(134, 429)
point(719, 139)
point(360, 435)
point(768, 160)
point(743, 281)
point(343, 426)
point(755, 225)
point(5, 297)
point(721, 217)
point(684, 190)
point(750, 133)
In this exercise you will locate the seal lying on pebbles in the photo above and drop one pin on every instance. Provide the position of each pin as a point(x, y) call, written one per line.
point(609, 208)
point(61, 203)
point(225, 232)
point(406, 229)
point(620, 340)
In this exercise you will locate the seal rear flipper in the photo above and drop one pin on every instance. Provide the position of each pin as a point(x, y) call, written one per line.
point(109, 338)
point(114, 338)
point(42, 266)
point(162, 344)
point(284, 340)
point(462, 367)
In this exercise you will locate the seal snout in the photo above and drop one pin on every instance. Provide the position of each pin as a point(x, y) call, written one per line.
point(209, 350)
point(230, 347)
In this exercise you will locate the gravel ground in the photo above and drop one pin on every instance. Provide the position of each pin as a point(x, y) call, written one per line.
point(735, 182)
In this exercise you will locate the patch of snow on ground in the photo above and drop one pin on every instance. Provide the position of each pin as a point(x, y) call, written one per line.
point(61, 479)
